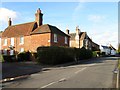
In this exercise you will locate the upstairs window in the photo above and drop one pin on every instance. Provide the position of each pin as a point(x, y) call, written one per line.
point(55, 38)
point(5, 42)
point(66, 40)
point(21, 40)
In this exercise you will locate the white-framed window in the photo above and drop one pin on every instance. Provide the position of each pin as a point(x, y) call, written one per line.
point(12, 41)
point(55, 38)
point(21, 49)
point(66, 40)
point(5, 42)
point(21, 40)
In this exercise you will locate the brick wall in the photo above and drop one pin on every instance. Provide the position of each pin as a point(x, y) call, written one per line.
point(40, 40)
point(34, 41)
point(60, 42)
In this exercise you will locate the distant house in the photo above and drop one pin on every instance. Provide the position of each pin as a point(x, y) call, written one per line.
point(31, 35)
point(108, 50)
point(81, 39)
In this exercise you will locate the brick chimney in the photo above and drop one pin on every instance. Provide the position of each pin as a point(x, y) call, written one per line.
point(39, 17)
point(9, 22)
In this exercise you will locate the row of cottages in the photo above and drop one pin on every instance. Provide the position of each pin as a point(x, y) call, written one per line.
point(81, 39)
point(29, 36)
point(108, 50)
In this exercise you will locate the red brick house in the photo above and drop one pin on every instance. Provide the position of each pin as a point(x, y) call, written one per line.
point(29, 36)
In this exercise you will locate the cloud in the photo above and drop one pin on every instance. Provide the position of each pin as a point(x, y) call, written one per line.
point(105, 35)
point(7, 13)
point(96, 18)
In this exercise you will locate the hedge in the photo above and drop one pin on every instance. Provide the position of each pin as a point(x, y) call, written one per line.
point(57, 55)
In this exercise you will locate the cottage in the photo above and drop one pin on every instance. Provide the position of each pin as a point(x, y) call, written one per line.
point(81, 39)
point(31, 35)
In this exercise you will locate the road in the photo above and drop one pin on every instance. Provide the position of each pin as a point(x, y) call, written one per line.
point(96, 73)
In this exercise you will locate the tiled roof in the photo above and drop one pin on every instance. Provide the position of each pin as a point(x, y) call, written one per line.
point(48, 29)
point(29, 29)
point(105, 47)
point(72, 35)
point(82, 35)
point(18, 30)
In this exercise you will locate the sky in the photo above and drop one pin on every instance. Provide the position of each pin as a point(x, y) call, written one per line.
point(98, 19)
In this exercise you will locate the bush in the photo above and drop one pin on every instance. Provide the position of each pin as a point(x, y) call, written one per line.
point(9, 58)
point(58, 55)
point(24, 56)
point(94, 54)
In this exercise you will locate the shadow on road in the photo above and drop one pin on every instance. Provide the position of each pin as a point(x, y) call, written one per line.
point(88, 61)
point(10, 70)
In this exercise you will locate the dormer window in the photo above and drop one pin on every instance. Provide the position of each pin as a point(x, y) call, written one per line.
point(55, 38)
point(21, 40)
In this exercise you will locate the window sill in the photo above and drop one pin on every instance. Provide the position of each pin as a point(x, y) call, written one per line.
point(55, 42)
point(21, 43)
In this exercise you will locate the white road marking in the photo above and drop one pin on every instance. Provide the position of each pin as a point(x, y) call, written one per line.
point(63, 79)
point(46, 71)
point(80, 70)
point(88, 65)
point(48, 85)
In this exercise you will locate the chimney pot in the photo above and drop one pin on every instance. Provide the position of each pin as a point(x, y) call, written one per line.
point(9, 22)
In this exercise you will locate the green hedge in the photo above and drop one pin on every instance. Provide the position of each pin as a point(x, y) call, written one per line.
point(54, 55)
point(58, 55)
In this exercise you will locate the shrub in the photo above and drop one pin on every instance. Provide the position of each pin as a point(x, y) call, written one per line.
point(9, 58)
point(94, 54)
point(83, 53)
point(24, 56)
